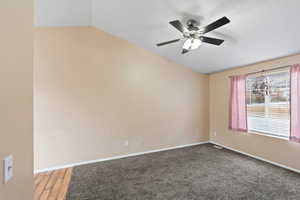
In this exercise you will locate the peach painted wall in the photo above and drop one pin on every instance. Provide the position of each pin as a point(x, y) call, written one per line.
point(270, 148)
point(16, 99)
point(94, 92)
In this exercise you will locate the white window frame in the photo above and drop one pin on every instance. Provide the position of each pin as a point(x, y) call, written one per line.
point(260, 132)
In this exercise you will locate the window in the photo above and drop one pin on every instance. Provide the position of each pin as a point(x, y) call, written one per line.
point(268, 103)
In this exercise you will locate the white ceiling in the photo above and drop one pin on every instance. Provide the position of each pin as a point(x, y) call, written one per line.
point(259, 29)
point(63, 12)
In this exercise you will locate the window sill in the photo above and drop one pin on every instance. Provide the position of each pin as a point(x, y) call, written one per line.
point(267, 134)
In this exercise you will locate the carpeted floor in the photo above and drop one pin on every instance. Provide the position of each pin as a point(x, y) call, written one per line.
point(192, 173)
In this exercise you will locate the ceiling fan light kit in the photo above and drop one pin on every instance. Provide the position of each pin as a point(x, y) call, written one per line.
point(192, 43)
point(194, 35)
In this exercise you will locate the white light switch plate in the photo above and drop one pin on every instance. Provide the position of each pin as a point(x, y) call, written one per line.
point(8, 168)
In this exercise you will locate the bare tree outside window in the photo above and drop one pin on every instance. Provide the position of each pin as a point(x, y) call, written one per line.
point(267, 98)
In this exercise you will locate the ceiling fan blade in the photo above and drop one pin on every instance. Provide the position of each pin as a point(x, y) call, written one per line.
point(215, 25)
point(168, 42)
point(210, 40)
point(179, 26)
point(184, 51)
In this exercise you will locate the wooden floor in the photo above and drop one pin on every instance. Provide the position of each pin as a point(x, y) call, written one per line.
point(52, 185)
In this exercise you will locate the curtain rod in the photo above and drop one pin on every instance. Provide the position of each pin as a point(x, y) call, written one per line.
point(264, 70)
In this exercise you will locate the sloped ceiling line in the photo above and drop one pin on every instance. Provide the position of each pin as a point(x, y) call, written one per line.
point(259, 30)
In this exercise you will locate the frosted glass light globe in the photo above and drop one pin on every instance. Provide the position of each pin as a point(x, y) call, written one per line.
point(192, 44)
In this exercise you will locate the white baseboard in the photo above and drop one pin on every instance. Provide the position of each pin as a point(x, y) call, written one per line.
point(115, 157)
point(257, 157)
point(164, 149)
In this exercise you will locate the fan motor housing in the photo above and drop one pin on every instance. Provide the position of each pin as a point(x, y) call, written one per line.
point(192, 24)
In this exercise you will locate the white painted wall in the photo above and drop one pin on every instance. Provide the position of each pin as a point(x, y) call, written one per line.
point(63, 12)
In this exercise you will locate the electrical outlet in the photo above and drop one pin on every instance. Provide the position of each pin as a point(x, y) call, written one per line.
point(126, 143)
point(8, 168)
point(215, 133)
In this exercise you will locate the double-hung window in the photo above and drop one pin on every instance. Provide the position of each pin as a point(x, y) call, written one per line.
point(268, 103)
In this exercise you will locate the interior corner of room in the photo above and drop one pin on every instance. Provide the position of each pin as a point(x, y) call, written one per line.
point(95, 106)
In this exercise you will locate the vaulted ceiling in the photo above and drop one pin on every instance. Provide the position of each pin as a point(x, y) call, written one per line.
point(259, 29)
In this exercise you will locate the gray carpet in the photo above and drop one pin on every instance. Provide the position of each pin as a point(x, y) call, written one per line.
point(199, 172)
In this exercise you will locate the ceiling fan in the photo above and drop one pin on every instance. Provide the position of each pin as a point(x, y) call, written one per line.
point(194, 34)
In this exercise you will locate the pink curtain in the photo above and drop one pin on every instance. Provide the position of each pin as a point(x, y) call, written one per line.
point(295, 103)
point(237, 112)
